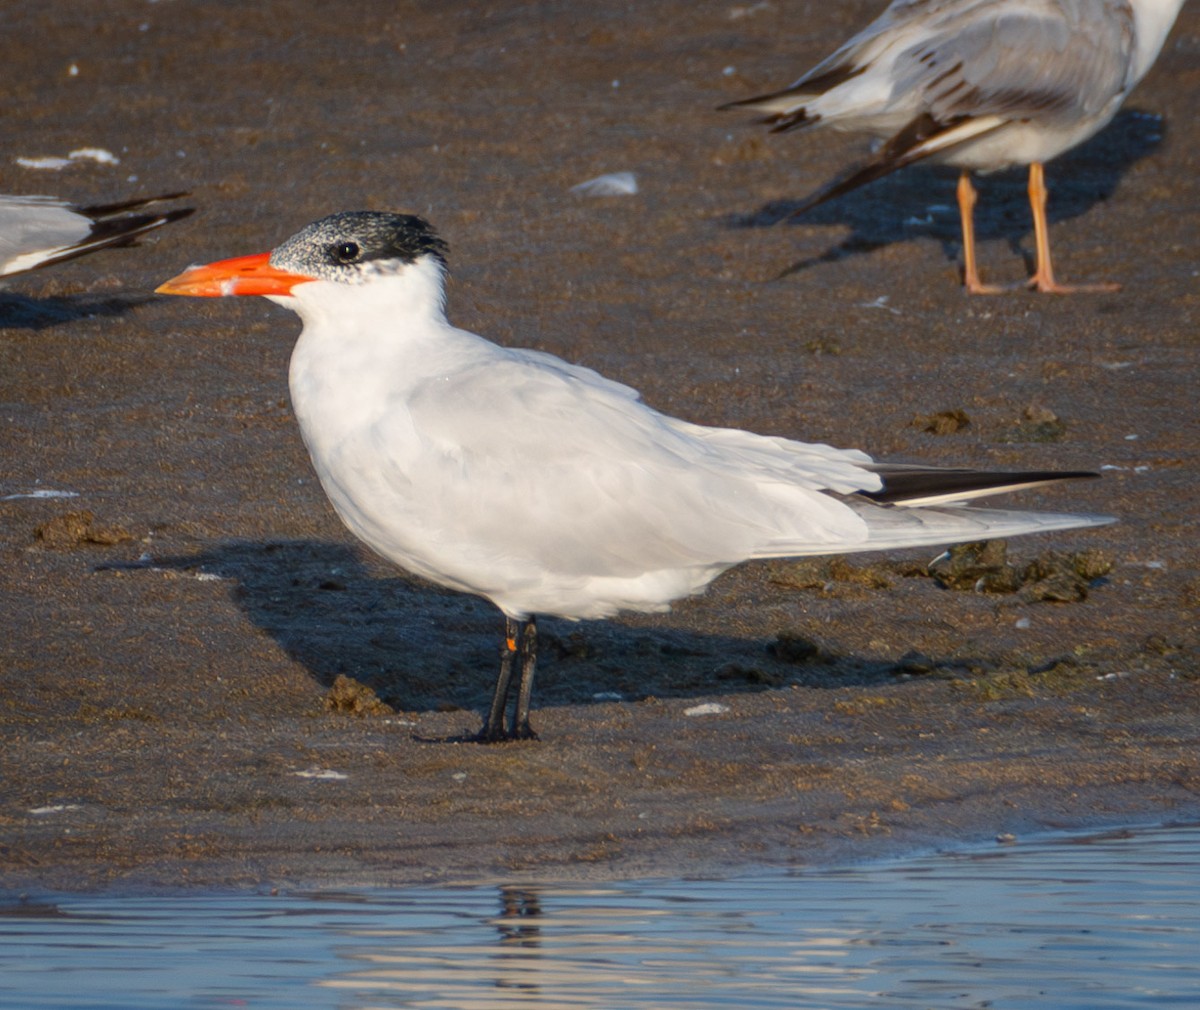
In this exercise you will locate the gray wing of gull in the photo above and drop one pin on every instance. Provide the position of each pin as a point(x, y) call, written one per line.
point(959, 58)
point(1066, 59)
point(38, 231)
point(33, 224)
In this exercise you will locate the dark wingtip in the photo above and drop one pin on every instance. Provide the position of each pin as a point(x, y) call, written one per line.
point(914, 484)
point(779, 122)
point(178, 215)
point(108, 209)
point(112, 230)
point(905, 148)
point(852, 180)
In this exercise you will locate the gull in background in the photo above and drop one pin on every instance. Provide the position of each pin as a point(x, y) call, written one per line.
point(981, 85)
point(39, 231)
point(541, 485)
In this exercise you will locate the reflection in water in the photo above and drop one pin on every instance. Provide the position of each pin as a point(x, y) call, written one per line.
point(1078, 923)
point(519, 906)
point(519, 931)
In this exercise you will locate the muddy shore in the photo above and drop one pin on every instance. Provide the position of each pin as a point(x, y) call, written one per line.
point(171, 711)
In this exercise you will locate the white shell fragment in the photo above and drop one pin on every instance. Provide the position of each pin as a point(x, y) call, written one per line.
point(54, 808)
point(96, 154)
point(42, 492)
point(708, 708)
point(323, 774)
point(44, 164)
point(612, 184)
point(53, 164)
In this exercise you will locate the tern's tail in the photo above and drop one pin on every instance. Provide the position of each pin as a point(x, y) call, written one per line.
point(919, 506)
point(111, 225)
point(890, 527)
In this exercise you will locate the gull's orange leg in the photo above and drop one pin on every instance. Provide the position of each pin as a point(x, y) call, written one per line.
point(966, 210)
point(1043, 280)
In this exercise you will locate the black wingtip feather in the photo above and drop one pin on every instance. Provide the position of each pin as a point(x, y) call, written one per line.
point(858, 177)
point(905, 148)
point(110, 232)
point(916, 484)
point(100, 210)
point(811, 86)
point(123, 230)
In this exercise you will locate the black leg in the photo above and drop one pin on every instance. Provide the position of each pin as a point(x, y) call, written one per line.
point(521, 730)
point(520, 646)
point(493, 729)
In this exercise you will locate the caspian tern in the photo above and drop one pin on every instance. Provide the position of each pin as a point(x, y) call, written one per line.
point(981, 85)
point(542, 485)
point(38, 231)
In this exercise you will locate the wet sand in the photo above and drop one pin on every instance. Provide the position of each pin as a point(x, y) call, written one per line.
point(174, 634)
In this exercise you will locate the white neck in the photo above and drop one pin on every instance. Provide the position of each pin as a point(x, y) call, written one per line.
point(414, 295)
point(365, 347)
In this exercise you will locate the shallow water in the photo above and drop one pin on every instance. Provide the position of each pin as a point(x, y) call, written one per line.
point(1081, 921)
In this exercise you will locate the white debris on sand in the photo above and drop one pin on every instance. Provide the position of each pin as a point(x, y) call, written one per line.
point(612, 184)
point(708, 708)
point(323, 774)
point(44, 164)
point(53, 164)
point(40, 493)
point(96, 154)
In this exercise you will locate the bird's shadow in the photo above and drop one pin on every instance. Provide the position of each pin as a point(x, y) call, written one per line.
point(23, 312)
point(423, 648)
point(919, 202)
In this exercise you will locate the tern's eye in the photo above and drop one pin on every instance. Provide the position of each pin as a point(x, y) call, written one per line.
point(346, 252)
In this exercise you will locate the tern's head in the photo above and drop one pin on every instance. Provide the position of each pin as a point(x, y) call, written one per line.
point(348, 250)
point(358, 246)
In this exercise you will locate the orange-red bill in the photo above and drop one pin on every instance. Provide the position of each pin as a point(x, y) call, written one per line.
point(242, 275)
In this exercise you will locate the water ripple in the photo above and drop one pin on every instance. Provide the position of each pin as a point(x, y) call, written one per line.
point(1082, 922)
